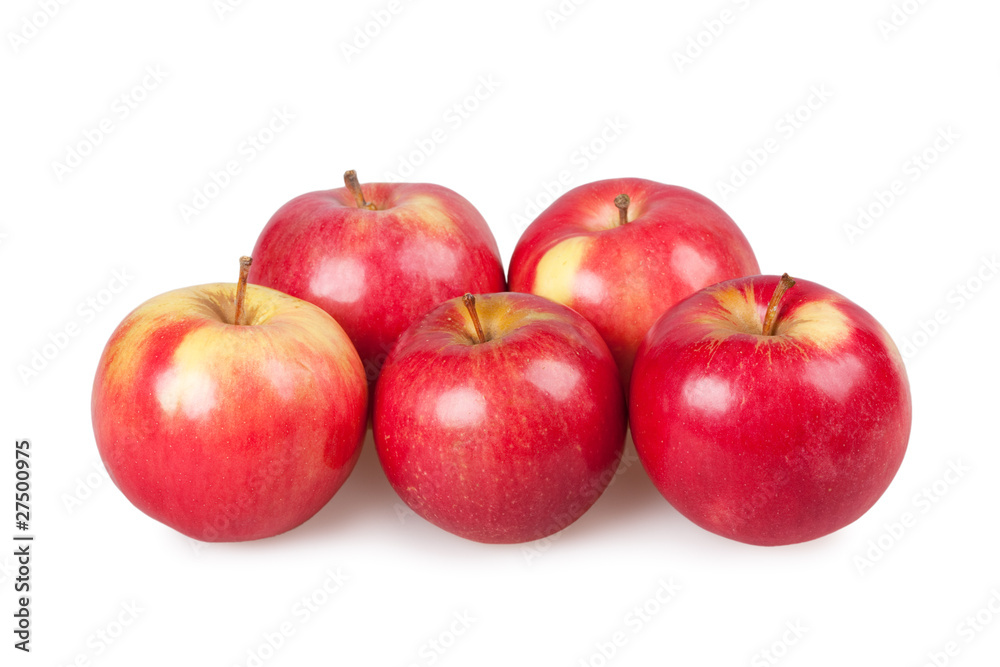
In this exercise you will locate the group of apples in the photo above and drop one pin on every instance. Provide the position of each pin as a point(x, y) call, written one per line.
point(765, 409)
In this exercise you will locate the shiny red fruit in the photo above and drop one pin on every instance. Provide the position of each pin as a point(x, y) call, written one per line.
point(769, 439)
point(229, 432)
point(507, 440)
point(378, 264)
point(622, 265)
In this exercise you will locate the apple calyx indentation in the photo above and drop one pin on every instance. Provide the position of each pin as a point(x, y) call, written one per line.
point(354, 186)
point(771, 317)
point(470, 305)
point(622, 201)
point(241, 288)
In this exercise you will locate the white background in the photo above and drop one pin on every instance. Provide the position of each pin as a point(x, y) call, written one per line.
point(611, 68)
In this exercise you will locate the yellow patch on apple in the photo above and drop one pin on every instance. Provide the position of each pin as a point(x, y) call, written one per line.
point(820, 324)
point(558, 267)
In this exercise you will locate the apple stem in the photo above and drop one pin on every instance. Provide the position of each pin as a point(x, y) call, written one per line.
point(470, 305)
point(241, 288)
point(352, 183)
point(622, 201)
point(771, 318)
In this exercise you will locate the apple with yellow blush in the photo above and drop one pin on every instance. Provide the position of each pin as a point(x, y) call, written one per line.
point(622, 251)
point(377, 256)
point(770, 410)
point(229, 412)
point(500, 417)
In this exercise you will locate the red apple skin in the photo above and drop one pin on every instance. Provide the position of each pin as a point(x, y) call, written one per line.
point(769, 440)
point(378, 271)
point(505, 441)
point(229, 433)
point(623, 277)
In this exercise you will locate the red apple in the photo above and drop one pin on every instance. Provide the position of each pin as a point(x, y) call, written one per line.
point(500, 418)
point(229, 422)
point(377, 257)
point(622, 251)
point(769, 416)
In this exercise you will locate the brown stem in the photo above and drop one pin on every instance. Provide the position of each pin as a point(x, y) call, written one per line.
point(241, 288)
point(771, 318)
point(470, 305)
point(622, 201)
point(352, 183)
